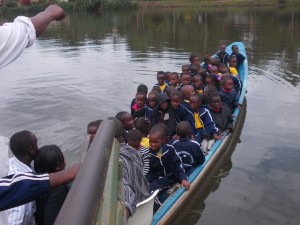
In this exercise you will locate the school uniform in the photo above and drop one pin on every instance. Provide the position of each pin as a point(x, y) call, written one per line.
point(162, 87)
point(222, 58)
point(222, 118)
point(239, 58)
point(184, 114)
point(135, 112)
point(190, 153)
point(229, 98)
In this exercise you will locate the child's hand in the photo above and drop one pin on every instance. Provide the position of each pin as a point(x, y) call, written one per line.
point(239, 107)
point(176, 137)
point(56, 12)
point(186, 184)
point(218, 137)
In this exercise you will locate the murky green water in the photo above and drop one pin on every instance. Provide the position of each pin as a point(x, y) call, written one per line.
point(88, 67)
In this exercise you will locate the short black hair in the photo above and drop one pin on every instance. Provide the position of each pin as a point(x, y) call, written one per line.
point(198, 96)
point(192, 57)
point(231, 58)
point(143, 124)
point(20, 142)
point(134, 135)
point(213, 95)
point(176, 93)
point(156, 89)
point(183, 129)
point(48, 159)
point(170, 90)
point(141, 93)
point(233, 46)
point(142, 88)
point(159, 128)
point(160, 72)
point(119, 130)
point(120, 115)
point(95, 123)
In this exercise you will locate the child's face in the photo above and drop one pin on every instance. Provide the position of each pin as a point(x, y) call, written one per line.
point(195, 103)
point(223, 69)
point(151, 100)
point(140, 100)
point(209, 82)
point(135, 144)
point(185, 70)
point(128, 121)
point(174, 80)
point(233, 62)
point(175, 101)
point(164, 105)
point(167, 76)
point(216, 103)
point(155, 141)
point(214, 70)
point(222, 48)
point(161, 79)
point(196, 60)
point(235, 50)
point(186, 80)
point(198, 82)
point(228, 85)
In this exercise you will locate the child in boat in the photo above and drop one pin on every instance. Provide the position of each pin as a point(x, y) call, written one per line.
point(181, 112)
point(161, 81)
point(163, 113)
point(239, 57)
point(211, 80)
point(151, 104)
point(92, 129)
point(186, 79)
point(195, 69)
point(185, 69)
point(140, 88)
point(167, 78)
point(188, 150)
point(215, 71)
point(222, 55)
point(174, 80)
point(220, 113)
point(138, 109)
point(203, 120)
point(165, 164)
point(232, 66)
point(186, 92)
point(194, 59)
point(143, 124)
point(228, 95)
point(127, 121)
point(198, 84)
point(237, 84)
point(50, 159)
point(207, 63)
point(134, 140)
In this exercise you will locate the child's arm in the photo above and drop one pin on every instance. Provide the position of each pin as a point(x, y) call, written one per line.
point(186, 184)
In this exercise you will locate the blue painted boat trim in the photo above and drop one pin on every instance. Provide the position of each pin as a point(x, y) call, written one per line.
point(243, 72)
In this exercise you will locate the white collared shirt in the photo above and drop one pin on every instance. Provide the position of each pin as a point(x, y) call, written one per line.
point(24, 214)
point(14, 38)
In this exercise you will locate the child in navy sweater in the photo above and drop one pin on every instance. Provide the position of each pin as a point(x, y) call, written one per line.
point(229, 95)
point(188, 150)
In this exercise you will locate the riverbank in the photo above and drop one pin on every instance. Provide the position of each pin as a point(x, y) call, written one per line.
point(213, 3)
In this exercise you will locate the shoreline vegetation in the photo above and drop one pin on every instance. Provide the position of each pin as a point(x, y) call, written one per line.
point(30, 6)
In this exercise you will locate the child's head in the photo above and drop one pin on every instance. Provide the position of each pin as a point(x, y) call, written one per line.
point(142, 88)
point(183, 129)
point(235, 49)
point(232, 61)
point(157, 137)
point(174, 79)
point(186, 79)
point(126, 119)
point(195, 102)
point(119, 129)
point(222, 48)
point(156, 89)
point(223, 68)
point(207, 59)
point(215, 101)
point(214, 70)
point(23, 145)
point(143, 124)
point(169, 90)
point(210, 80)
point(50, 159)
point(197, 81)
point(134, 139)
point(187, 91)
point(215, 62)
point(160, 78)
point(162, 101)
point(92, 128)
point(167, 76)
point(194, 59)
point(195, 68)
point(209, 90)
point(176, 99)
point(151, 99)
point(227, 84)
point(185, 69)
point(140, 99)
point(225, 76)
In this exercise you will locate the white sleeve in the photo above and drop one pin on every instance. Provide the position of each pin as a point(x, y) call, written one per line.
point(14, 38)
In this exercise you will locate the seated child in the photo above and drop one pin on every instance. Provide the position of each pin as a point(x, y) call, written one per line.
point(215, 71)
point(228, 95)
point(161, 81)
point(186, 92)
point(195, 69)
point(127, 122)
point(215, 62)
point(134, 140)
point(185, 69)
point(167, 78)
point(163, 113)
point(194, 59)
point(239, 57)
point(222, 55)
point(174, 80)
point(188, 150)
point(169, 90)
point(211, 80)
point(203, 120)
point(232, 65)
point(139, 108)
point(151, 105)
point(221, 114)
point(207, 63)
point(223, 68)
point(237, 84)
point(143, 124)
point(92, 129)
point(50, 159)
point(140, 88)
point(186, 79)
point(198, 84)
point(165, 165)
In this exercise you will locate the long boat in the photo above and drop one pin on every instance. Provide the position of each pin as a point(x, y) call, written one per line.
point(99, 199)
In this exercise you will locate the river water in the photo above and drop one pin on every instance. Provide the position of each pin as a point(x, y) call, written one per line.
point(88, 67)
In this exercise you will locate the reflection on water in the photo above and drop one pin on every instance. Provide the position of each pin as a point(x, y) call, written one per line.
point(88, 67)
